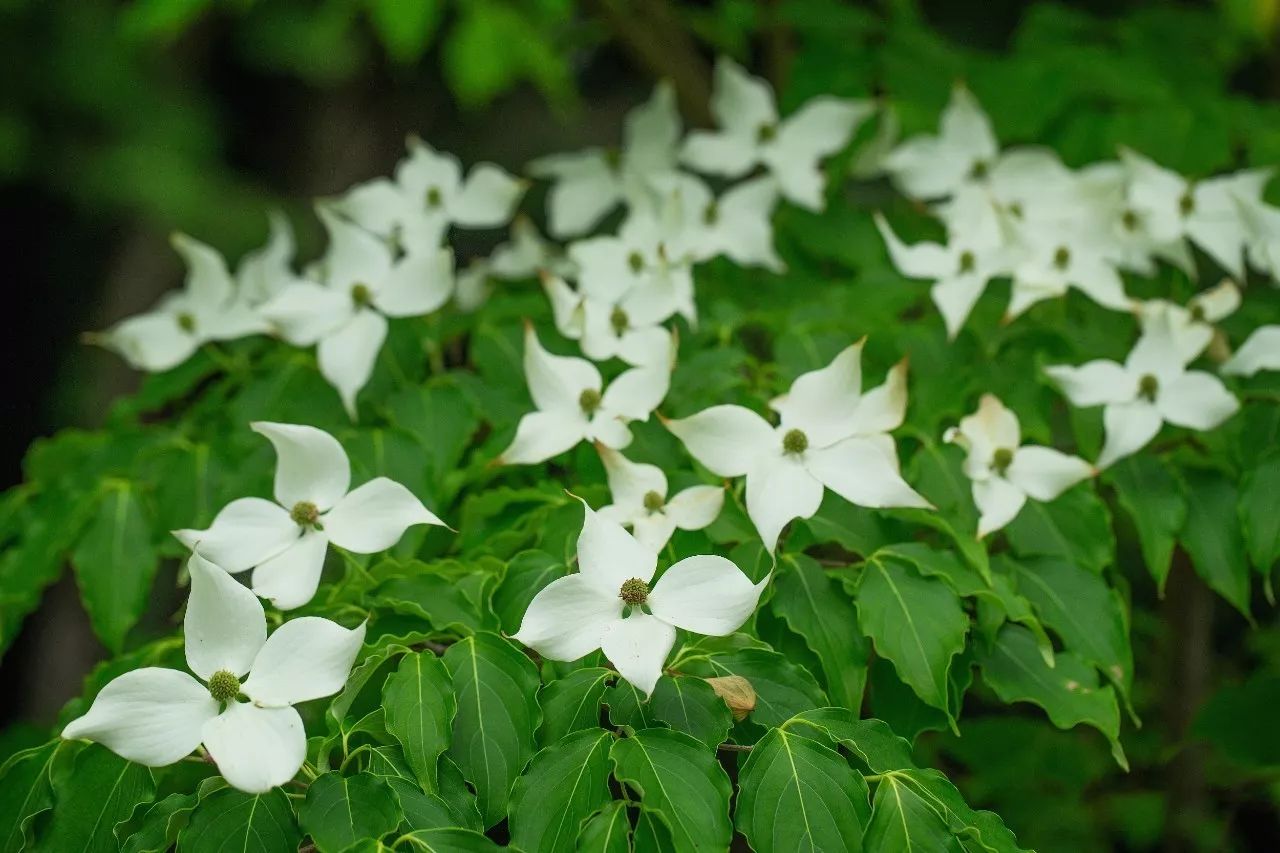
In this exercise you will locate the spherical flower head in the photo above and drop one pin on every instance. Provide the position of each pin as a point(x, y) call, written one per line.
point(1062, 257)
point(795, 442)
point(653, 501)
point(634, 592)
point(305, 514)
point(224, 686)
point(361, 295)
point(619, 321)
point(636, 262)
point(767, 132)
point(1001, 460)
point(1148, 387)
point(589, 400)
point(434, 197)
point(967, 262)
point(187, 322)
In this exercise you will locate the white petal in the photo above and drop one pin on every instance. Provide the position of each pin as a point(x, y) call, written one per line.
point(566, 306)
point(567, 618)
point(541, 435)
point(860, 471)
point(354, 256)
point(1217, 303)
point(1260, 351)
point(374, 516)
point(779, 489)
point(1160, 349)
point(746, 216)
point(487, 198)
point(420, 283)
point(638, 647)
point(609, 430)
point(310, 464)
point(377, 205)
point(152, 716)
point(556, 382)
point(637, 392)
point(650, 346)
point(725, 439)
point(919, 260)
point(586, 188)
point(1044, 473)
point(224, 625)
point(800, 181)
point(965, 126)
point(823, 403)
point(739, 100)
point(153, 341)
point(1197, 400)
point(265, 271)
point(726, 154)
point(246, 532)
point(1130, 427)
point(705, 595)
point(955, 298)
point(1094, 383)
point(304, 312)
point(209, 282)
point(652, 530)
point(304, 659)
point(256, 749)
point(290, 578)
point(998, 501)
point(821, 127)
point(884, 407)
point(696, 507)
point(630, 481)
point(609, 556)
point(347, 356)
point(651, 131)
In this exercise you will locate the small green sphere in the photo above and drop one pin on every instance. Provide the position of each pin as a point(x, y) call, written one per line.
point(795, 441)
point(653, 501)
point(224, 686)
point(589, 400)
point(634, 592)
point(305, 514)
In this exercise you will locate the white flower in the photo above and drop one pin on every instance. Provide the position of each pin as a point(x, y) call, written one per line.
point(526, 253)
point(1193, 326)
point(737, 225)
point(268, 270)
point(1208, 212)
point(959, 270)
point(209, 308)
point(429, 195)
point(751, 133)
point(640, 501)
point(1005, 472)
point(157, 716)
point(964, 150)
point(831, 435)
point(1152, 387)
point(605, 329)
point(645, 269)
point(1260, 351)
point(1052, 258)
point(590, 183)
point(573, 406)
point(575, 615)
point(285, 542)
point(1262, 231)
point(364, 283)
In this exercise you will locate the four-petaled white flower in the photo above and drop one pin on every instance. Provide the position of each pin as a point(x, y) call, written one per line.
point(965, 150)
point(209, 308)
point(1004, 471)
point(364, 284)
point(428, 195)
point(831, 434)
point(575, 615)
point(640, 501)
point(737, 225)
point(1053, 258)
point(573, 405)
point(1152, 387)
point(1260, 351)
point(157, 716)
point(285, 542)
point(751, 133)
point(1193, 326)
point(605, 329)
point(590, 183)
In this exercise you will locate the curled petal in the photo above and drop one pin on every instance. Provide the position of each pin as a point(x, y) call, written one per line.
point(706, 595)
point(256, 749)
point(224, 625)
point(638, 647)
point(1260, 351)
point(346, 357)
point(1130, 427)
point(862, 472)
point(629, 481)
point(245, 533)
point(1044, 473)
point(304, 659)
point(823, 403)
point(556, 382)
point(290, 578)
point(726, 439)
point(541, 435)
point(609, 556)
point(999, 502)
point(311, 465)
point(567, 618)
point(374, 516)
point(779, 489)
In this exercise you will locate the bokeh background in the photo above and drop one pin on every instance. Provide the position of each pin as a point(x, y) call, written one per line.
point(121, 122)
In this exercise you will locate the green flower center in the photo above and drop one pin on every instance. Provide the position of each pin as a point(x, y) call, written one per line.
point(711, 214)
point(186, 322)
point(1001, 460)
point(967, 261)
point(613, 158)
point(795, 441)
point(636, 261)
point(634, 592)
point(1062, 257)
point(1197, 313)
point(653, 501)
point(589, 400)
point(1187, 204)
point(1148, 387)
point(305, 514)
point(361, 295)
point(1015, 210)
point(1129, 220)
point(979, 170)
point(619, 321)
point(224, 686)
point(766, 132)
point(434, 197)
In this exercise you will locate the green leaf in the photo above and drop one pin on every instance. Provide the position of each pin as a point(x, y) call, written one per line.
point(982, 830)
point(815, 607)
point(679, 779)
point(498, 715)
point(1075, 527)
point(572, 703)
point(902, 822)
point(872, 741)
point(434, 597)
point(527, 574)
point(1213, 539)
point(782, 688)
point(115, 563)
point(233, 820)
point(449, 841)
point(628, 709)
point(915, 622)
point(158, 828)
point(25, 792)
point(688, 704)
point(1152, 496)
point(419, 704)
point(1258, 517)
point(341, 810)
point(1069, 693)
point(421, 809)
point(562, 787)
point(796, 794)
point(91, 796)
point(405, 29)
point(607, 831)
